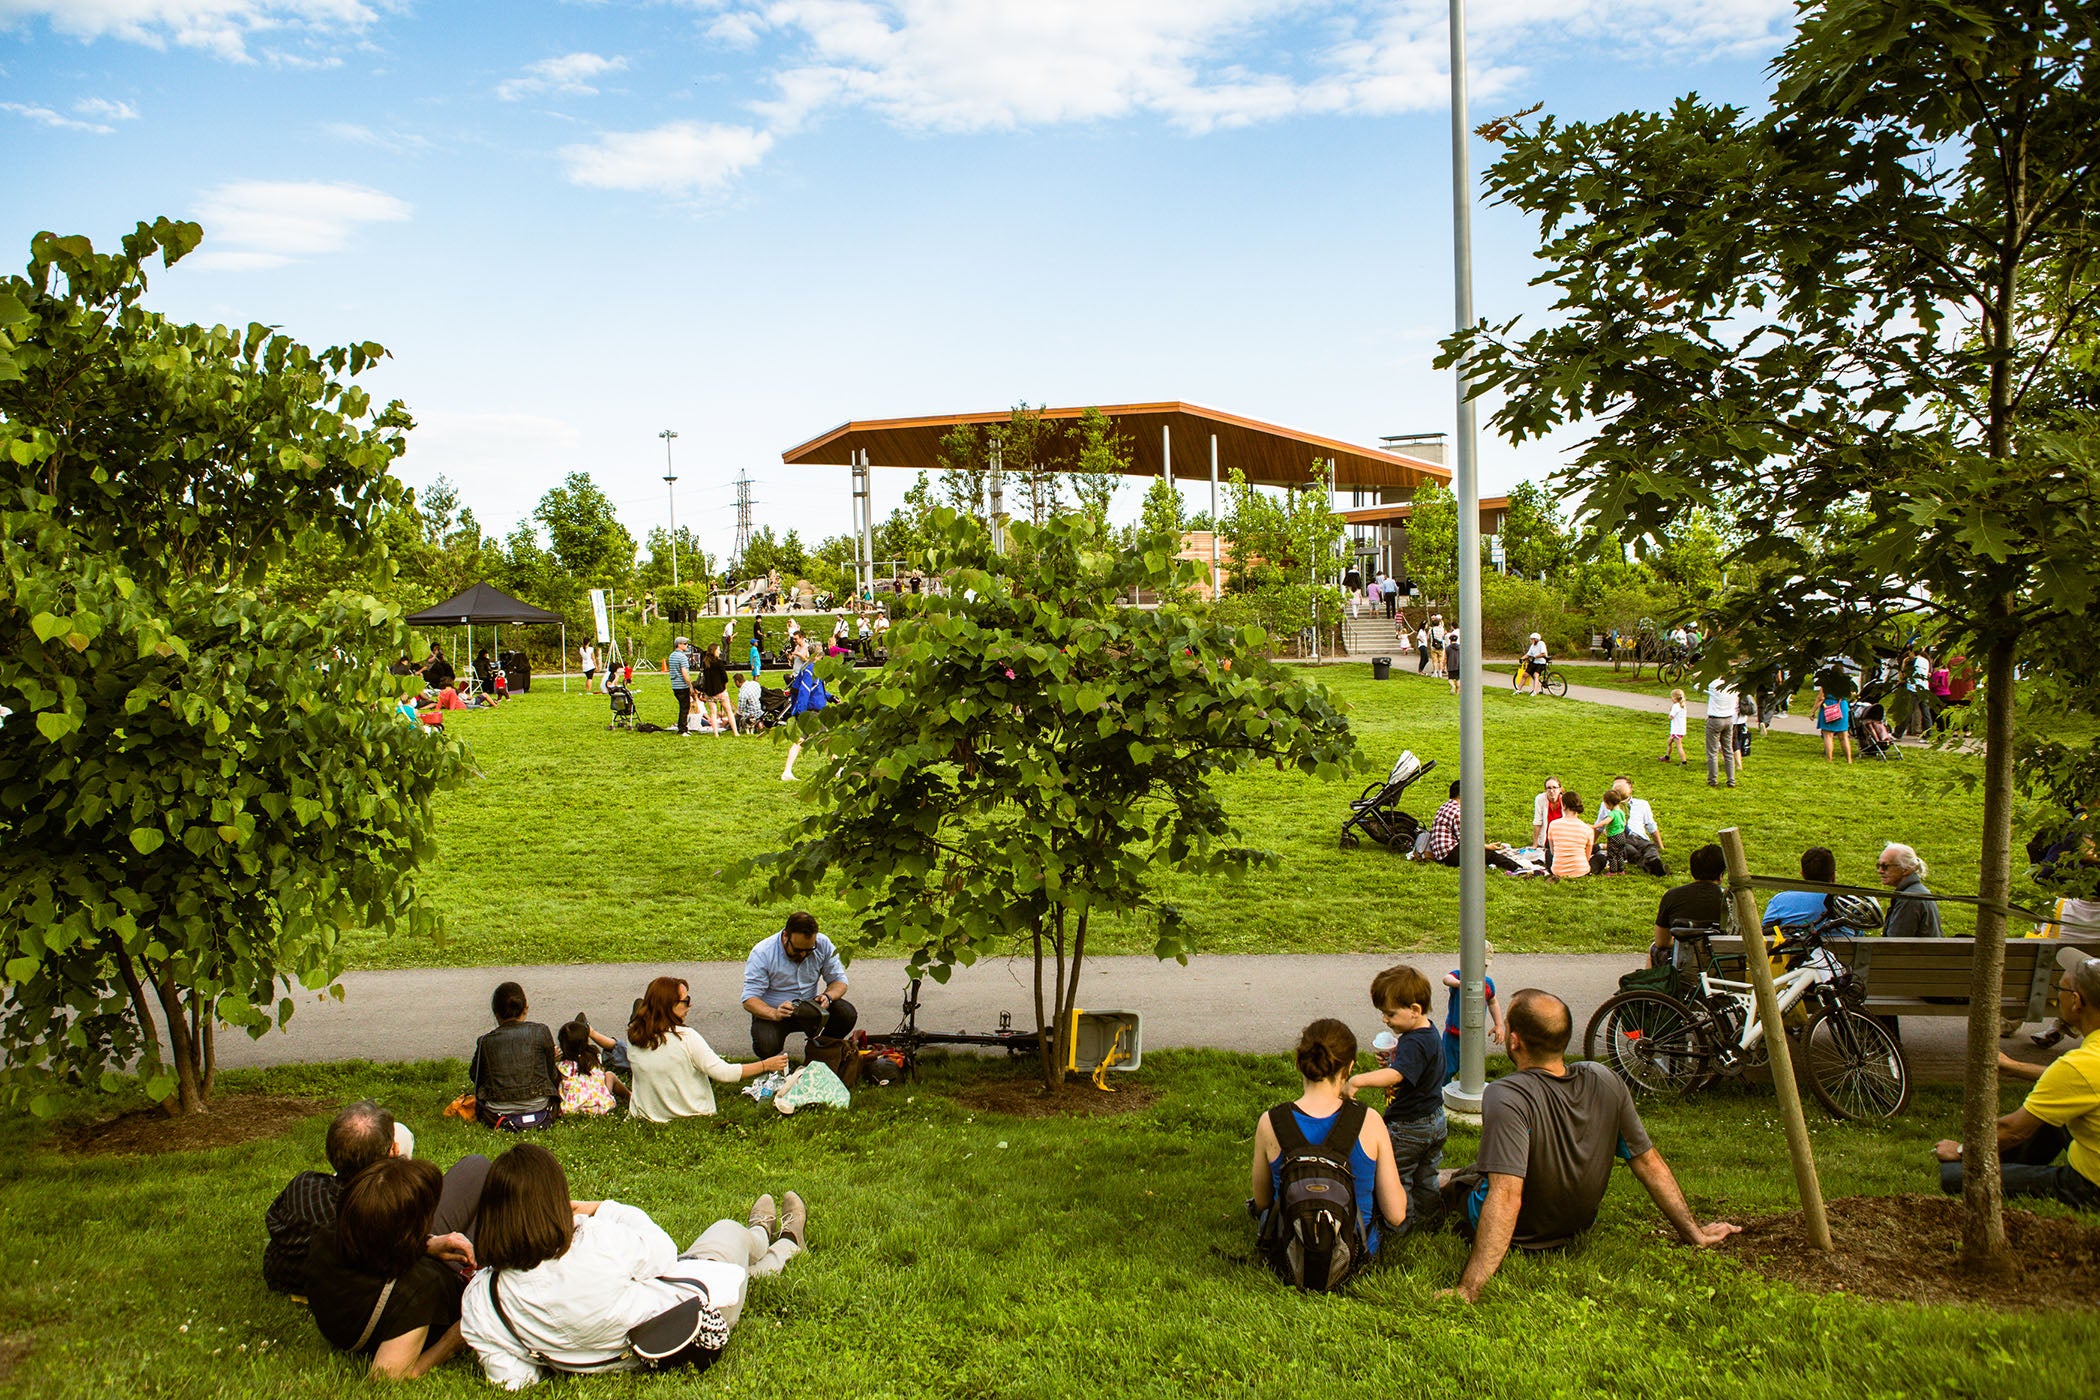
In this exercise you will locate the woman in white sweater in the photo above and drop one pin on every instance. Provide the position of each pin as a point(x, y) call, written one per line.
point(562, 1281)
point(675, 1069)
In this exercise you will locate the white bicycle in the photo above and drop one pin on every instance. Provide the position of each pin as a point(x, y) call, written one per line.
point(1661, 1042)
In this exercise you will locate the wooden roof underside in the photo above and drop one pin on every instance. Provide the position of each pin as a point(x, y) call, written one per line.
point(1266, 453)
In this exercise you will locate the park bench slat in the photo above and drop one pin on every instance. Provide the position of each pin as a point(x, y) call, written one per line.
point(1901, 973)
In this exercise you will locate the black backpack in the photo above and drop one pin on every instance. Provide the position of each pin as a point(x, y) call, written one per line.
point(1311, 1236)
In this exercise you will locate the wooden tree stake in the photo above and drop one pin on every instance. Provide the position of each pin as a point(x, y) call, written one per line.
point(1746, 919)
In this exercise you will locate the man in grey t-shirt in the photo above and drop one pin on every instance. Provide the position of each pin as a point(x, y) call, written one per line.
point(1548, 1137)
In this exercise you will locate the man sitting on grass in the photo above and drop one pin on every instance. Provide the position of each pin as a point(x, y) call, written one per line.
point(361, 1135)
point(2062, 1110)
point(1548, 1135)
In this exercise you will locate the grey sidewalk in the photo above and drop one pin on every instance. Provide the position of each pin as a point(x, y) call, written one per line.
point(1254, 1003)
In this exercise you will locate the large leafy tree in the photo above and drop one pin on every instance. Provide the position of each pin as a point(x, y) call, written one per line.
point(1432, 543)
point(1035, 756)
point(203, 787)
point(1846, 322)
point(590, 544)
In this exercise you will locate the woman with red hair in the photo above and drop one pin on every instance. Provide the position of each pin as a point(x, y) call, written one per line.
point(675, 1069)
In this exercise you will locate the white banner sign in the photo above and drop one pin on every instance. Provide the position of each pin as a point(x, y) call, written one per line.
point(598, 611)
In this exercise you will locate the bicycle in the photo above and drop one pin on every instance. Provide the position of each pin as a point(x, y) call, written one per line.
point(1551, 681)
point(1661, 1043)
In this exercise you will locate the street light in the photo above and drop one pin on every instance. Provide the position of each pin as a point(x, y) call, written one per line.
point(671, 490)
point(1464, 1095)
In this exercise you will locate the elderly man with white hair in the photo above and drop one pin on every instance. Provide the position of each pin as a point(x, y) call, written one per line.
point(1903, 871)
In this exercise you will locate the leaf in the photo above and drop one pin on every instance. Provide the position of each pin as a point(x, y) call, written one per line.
point(147, 839)
point(48, 625)
point(55, 725)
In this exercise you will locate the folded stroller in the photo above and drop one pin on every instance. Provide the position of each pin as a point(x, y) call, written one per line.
point(622, 702)
point(1376, 812)
point(1870, 730)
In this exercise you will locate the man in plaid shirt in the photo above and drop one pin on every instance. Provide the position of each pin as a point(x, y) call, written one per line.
point(1443, 831)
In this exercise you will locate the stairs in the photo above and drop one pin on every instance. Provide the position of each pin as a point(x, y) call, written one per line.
point(1367, 636)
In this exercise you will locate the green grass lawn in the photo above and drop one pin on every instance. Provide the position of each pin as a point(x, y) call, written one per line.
point(960, 1253)
point(579, 844)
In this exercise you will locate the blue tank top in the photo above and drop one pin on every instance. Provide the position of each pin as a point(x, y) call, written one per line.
point(1362, 1171)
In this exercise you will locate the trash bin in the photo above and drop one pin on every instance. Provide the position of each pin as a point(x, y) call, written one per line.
point(1381, 668)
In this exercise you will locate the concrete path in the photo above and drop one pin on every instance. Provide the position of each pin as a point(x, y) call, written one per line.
point(1247, 1003)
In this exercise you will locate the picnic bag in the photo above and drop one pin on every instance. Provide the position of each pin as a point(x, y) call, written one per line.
point(1311, 1235)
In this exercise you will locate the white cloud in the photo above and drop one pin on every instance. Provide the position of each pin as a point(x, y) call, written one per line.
point(107, 110)
point(678, 158)
point(399, 142)
point(222, 27)
point(259, 223)
point(571, 73)
point(995, 64)
point(44, 116)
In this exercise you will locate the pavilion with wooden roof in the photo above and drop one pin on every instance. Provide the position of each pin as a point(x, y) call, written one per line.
point(1163, 439)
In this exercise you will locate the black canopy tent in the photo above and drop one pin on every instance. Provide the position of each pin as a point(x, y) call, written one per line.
point(484, 606)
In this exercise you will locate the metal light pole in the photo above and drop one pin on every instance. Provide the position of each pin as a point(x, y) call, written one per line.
point(671, 490)
point(1464, 1095)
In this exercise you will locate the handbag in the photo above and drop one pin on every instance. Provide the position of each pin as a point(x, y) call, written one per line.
point(689, 1333)
point(1832, 712)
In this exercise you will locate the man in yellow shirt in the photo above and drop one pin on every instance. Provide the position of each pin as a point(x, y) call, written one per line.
point(2062, 1110)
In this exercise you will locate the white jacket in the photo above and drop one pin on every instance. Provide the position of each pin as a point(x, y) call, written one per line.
point(677, 1079)
point(576, 1309)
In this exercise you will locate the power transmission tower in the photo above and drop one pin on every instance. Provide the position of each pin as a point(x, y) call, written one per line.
point(743, 516)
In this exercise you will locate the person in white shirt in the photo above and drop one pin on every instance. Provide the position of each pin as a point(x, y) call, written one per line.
point(1545, 810)
point(1640, 817)
point(563, 1281)
point(1720, 730)
point(675, 1069)
point(590, 670)
point(1675, 743)
point(1534, 667)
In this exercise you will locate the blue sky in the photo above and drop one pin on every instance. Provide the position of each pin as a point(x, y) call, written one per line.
point(576, 224)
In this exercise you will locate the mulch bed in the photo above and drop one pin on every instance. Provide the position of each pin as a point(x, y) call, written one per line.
point(230, 1120)
point(1907, 1249)
point(1023, 1097)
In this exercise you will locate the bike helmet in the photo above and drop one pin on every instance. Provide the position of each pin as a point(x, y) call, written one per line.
point(1854, 911)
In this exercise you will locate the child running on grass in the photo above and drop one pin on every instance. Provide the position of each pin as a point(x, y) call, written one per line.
point(1496, 1030)
point(1676, 728)
point(1412, 1074)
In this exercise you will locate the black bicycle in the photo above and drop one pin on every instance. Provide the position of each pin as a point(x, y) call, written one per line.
point(1550, 680)
point(1661, 1042)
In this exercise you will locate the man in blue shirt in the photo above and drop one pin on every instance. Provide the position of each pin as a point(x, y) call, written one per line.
point(1792, 908)
point(793, 982)
point(680, 665)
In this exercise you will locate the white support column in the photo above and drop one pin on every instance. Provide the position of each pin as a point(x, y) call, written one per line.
point(867, 515)
point(1217, 588)
point(998, 491)
point(1166, 450)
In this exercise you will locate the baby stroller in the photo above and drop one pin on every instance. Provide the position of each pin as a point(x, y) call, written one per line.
point(1870, 730)
point(1376, 812)
point(622, 701)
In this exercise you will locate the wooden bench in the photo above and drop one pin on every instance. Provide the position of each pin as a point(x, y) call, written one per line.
point(1930, 976)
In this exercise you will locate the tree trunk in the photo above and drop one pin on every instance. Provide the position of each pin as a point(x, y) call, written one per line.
point(1044, 1049)
point(141, 1007)
point(1983, 1219)
point(188, 1097)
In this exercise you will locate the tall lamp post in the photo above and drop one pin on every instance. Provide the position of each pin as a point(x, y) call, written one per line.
point(1464, 1095)
point(671, 490)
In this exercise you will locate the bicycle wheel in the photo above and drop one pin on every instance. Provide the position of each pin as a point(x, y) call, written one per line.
point(1670, 672)
point(1557, 685)
point(1653, 1041)
point(1855, 1067)
point(1516, 677)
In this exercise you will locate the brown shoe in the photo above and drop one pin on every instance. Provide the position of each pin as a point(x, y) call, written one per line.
point(794, 1220)
point(763, 1216)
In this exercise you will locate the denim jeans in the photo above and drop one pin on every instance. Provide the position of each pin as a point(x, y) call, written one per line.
point(2031, 1169)
point(1418, 1150)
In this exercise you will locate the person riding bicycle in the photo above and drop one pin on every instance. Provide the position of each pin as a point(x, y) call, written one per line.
point(1535, 662)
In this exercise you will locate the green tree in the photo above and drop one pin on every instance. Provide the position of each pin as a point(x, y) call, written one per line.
point(589, 543)
point(1845, 323)
point(205, 788)
point(1286, 553)
point(1035, 756)
point(1101, 461)
point(1535, 543)
point(695, 565)
point(1431, 561)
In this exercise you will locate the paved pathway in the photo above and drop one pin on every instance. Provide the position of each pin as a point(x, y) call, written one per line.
point(1254, 1003)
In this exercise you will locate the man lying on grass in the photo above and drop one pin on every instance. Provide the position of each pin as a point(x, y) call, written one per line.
point(1547, 1139)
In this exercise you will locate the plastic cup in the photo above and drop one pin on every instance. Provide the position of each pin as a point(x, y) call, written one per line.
point(1384, 1040)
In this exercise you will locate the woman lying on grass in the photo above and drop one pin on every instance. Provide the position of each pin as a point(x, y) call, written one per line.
point(374, 1288)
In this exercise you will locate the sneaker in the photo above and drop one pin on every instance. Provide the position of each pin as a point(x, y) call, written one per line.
point(763, 1216)
point(787, 777)
point(2046, 1038)
point(794, 1220)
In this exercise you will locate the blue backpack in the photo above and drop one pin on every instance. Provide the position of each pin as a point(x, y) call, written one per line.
point(806, 692)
